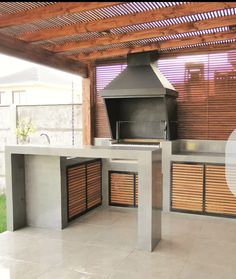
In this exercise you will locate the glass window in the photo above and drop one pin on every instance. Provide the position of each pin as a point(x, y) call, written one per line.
point(2, 97)
point(18, 97)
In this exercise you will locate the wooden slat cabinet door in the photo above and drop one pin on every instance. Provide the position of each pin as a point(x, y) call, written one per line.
point(187, 187)
point(122, 188)
point(219, 198)
point(84, 186)
point(76, 183)
point(136, 190)
point(94, 184)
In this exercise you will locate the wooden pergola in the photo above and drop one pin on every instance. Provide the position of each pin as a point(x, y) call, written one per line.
point(73, 36)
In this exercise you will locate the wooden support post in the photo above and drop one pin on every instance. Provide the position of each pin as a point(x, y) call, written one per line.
point(88, 109)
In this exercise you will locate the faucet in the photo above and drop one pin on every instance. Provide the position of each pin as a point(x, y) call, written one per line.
point(48, 139)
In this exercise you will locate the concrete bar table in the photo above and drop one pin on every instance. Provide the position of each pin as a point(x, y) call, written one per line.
point(36, 186)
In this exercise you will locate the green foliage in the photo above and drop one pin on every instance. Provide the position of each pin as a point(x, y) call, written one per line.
point(2, 213)
point(24, 128)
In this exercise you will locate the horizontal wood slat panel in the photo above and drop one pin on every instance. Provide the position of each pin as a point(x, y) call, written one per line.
point(219, 198)
point(207, 93)
point(136, 189)
point(75, 180)
point(187, 187)
point(186, 169)
point(94, 184)
point(75, 176)
point(101, 121)
point(76, 190)
point(104, 75)
point(76, 172)
point(121, 189)
point(84, 187)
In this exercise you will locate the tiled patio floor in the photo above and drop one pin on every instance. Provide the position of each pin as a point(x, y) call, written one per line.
point(102, 245)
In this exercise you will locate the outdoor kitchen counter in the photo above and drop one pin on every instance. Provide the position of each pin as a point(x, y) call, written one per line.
point(188, 151)
point(37, 192)
point(123, 152)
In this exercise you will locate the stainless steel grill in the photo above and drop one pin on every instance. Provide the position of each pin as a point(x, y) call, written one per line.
point(141, 103)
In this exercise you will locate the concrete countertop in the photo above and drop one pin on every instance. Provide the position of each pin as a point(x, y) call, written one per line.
point(117, 152)
point(205, 157)
point(114, 152)
point(194, 153)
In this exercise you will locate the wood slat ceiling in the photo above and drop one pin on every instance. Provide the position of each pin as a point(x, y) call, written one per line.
point(83, 32)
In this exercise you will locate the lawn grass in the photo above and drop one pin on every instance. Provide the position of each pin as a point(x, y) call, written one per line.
point(2, 213)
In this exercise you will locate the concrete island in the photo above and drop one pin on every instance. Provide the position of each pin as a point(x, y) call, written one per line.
point(37, 192)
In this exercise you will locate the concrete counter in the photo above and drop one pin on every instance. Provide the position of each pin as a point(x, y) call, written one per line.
point(199, 157)
point(37, 195)
point(188, 151)
point(118, 152)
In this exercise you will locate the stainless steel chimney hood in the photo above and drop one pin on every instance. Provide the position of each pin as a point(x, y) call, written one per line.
point(141, 78)
point(141, 103)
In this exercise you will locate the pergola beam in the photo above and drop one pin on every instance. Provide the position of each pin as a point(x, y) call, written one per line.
point(17, 48)
point(103, 54)
point(126, 20)
point(146, 34)
point(50, 11)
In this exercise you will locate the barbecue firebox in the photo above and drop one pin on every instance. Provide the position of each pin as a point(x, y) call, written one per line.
point(141, 103)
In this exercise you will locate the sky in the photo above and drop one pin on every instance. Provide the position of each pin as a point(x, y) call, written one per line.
point(10, 65)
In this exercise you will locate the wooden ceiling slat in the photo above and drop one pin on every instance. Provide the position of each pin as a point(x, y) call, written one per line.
point(146, 34)
point(126, 20)
point(200, 49)
point(198, 40)
point(17, 48)
point(46, 54)
point(155, 46)
point(50, 11)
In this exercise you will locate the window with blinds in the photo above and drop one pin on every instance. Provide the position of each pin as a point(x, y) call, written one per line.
point(104, 75)
point(207, 93)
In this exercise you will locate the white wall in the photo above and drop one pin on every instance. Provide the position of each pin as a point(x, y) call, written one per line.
point(40, 93)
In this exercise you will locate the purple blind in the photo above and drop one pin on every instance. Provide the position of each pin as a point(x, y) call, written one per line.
point(207, 93)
